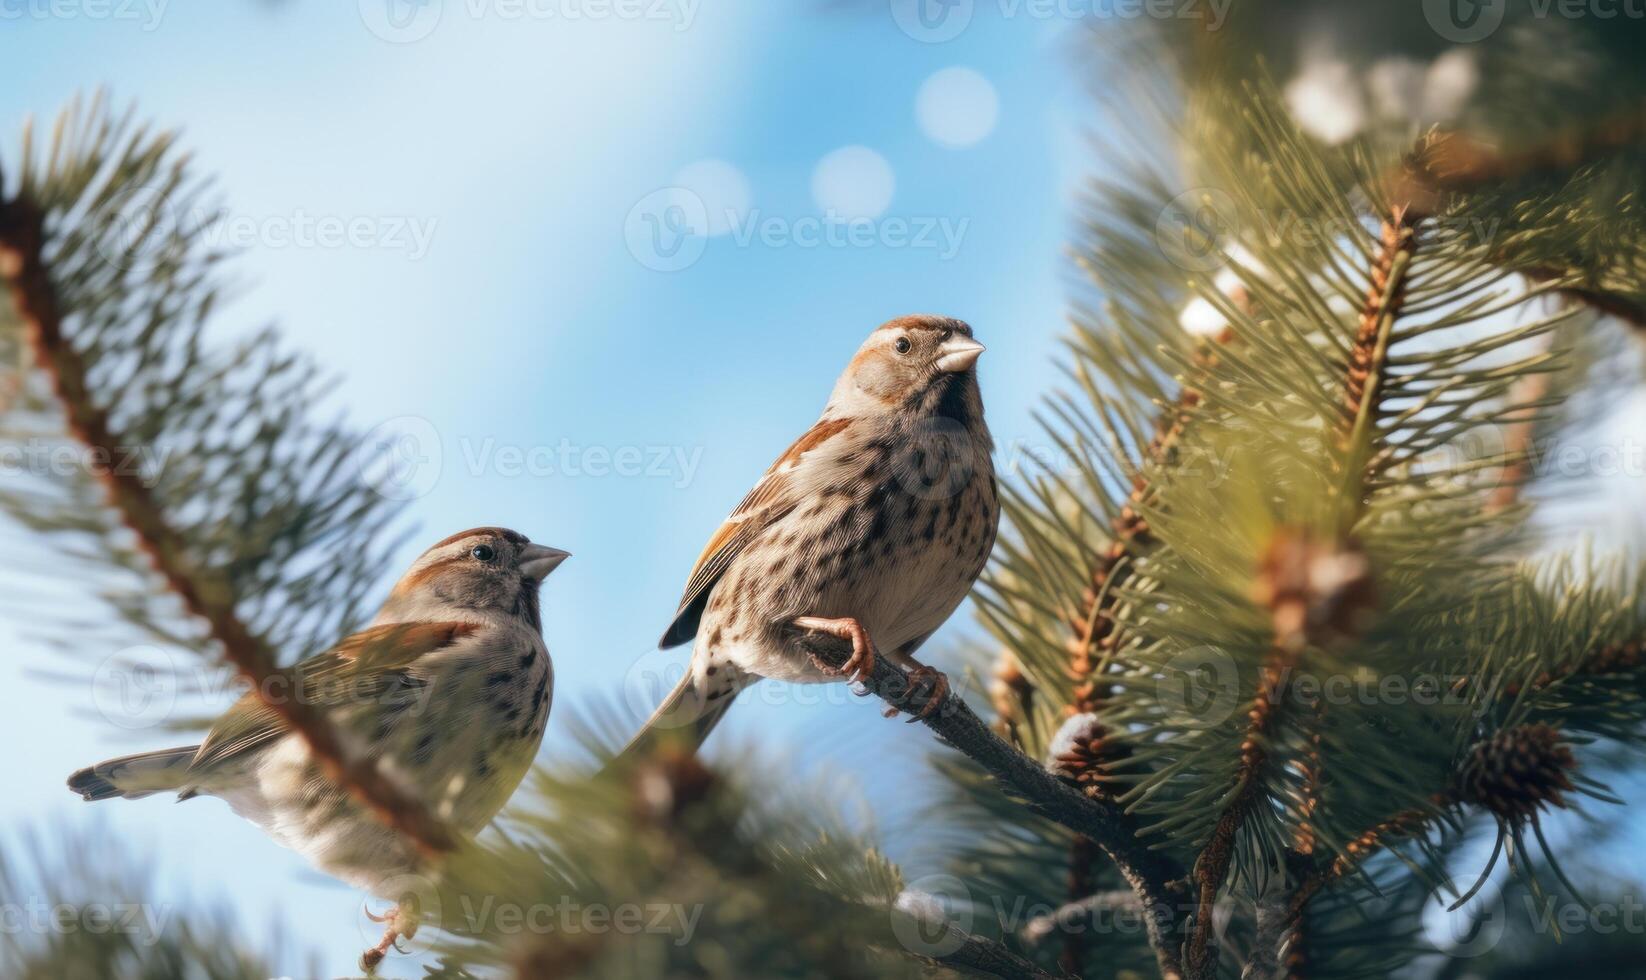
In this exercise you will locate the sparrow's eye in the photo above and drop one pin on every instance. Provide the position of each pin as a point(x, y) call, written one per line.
point(483, 552)
point(902, 346)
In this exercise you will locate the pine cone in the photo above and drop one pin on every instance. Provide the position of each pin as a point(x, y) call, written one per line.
point(1518, 770)
point(669, 783)
point(1081, 752)
point(1314, 590)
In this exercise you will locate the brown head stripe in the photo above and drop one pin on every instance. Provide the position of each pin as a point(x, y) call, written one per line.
point(927, 321)
point(513, 537)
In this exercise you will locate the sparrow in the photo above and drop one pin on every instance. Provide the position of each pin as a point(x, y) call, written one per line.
point(872, 527)
point(448, 688)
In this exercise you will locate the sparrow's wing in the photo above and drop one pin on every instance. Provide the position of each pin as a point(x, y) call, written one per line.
point(775, 495)
point(366, 668)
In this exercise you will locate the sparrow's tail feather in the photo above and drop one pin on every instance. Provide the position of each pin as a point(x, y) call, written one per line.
point(135, 776)
point(687, 715)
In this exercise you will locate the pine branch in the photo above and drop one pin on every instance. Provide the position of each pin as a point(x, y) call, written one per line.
point(1150, 873)
point(1456, 163)
point(22, 235)
point(1094, 628)
point(990, 957)
point(1363, 392)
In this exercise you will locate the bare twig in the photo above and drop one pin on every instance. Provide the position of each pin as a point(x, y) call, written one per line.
point(1079, 911)
point(203, 594)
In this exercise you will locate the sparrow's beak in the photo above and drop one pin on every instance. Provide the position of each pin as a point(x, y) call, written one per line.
point(958, 354)
point(537, 561)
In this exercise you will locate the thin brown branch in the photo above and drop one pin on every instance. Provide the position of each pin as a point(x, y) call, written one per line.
point(1149, 872)
point(1012, 696)
point(1363, 391)
point(203, 595)
point(1614, 659)
point(1092, 629)
point(1517, 449)
point(1611, 304)
point(1406, 824)
point(1454, 162)
point(1082, 853)
point(1079, 913)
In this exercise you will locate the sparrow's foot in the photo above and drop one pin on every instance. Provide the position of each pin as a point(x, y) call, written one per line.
point(399, 927)
point(860, 666)
point(934, 683)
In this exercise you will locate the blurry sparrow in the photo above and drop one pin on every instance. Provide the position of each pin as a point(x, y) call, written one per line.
point(449, 686)
point(872, 527)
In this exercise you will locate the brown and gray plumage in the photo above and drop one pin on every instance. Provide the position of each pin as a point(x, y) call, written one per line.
point(871, 527)
point(450, 687)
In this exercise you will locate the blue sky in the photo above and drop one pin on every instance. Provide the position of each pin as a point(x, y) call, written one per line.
point(508, 313)
point(502, 302)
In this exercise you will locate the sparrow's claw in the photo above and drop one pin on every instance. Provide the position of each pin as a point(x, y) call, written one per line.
point(371, 958)
point(936, 684)
point(859, 667)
